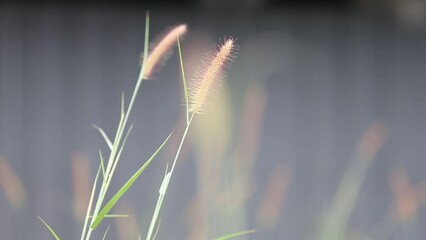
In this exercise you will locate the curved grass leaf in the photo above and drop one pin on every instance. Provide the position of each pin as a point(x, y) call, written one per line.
point(237, 234)
point(50, 229)
point(102, 132)
point(118, 137)
point(125, 187)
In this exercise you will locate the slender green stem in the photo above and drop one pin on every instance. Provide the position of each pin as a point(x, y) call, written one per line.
point(166, 181)
point(185, 88)
point(119, 134)
point(154, 216)
point(89, 208)
point(181, 142)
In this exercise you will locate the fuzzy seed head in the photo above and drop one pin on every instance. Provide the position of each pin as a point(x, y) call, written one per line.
point(210, 76)
point(161, 50)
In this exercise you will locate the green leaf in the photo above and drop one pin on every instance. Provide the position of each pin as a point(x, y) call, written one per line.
point(50, 229)
point(237, 234)
point(125, 187)
point(117, 140)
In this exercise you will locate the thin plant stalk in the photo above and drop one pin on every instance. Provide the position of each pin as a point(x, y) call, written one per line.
point(198, 99)
point(165, 184)
point(168, 175)
point(109, 171)
point(185, 88)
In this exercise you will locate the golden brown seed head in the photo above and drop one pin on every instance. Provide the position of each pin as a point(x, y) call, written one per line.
point(210, 76)
point(161, 49)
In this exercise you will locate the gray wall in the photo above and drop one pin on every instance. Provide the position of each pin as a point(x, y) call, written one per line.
point(328, 77)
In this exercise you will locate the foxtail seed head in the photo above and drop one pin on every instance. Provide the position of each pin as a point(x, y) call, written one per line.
point(209, 76)
point(161, 49)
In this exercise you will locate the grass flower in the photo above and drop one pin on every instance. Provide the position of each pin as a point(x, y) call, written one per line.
point(210, 76)
point(162, 48)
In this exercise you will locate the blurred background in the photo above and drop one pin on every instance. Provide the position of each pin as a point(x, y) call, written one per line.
point(317, 132)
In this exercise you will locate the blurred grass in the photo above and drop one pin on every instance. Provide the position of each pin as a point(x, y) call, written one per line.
point(12, 185)
point(226, 178)
point(334, 225)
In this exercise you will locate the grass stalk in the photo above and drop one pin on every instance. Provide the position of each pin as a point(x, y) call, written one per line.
point(166, 181)
point(113, 157)
point(199, 94)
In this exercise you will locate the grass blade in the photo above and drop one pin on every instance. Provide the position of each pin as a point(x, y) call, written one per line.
point(162, 192)
point(165, 184)
point(120, 150)
point(156, 213)
point(125, 187)
point(118, 136)
point(185, 89)
point(115, 216)
point(237, 234)
point(89, 208)
point(163, 187)
point(157, 230)
point(101, 158)
point(103, 238)
point(335, 224)
point(50, 229)
point(122, 109)
point(102, 132)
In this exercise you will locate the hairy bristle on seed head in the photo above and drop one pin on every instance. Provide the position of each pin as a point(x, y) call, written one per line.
point(210, 76)
point(161, 49)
